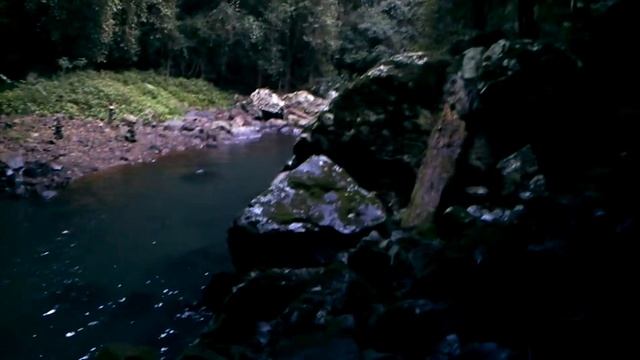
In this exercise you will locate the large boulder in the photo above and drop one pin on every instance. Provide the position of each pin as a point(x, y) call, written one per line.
point(305, 217)
point(271, 105)
point(377, 129)
point(514, 92)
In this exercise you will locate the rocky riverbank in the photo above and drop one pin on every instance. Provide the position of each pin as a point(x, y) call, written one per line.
point(446, 210)
point(39, 156)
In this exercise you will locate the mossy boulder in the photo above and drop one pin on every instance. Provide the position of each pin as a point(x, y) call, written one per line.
point(377, 128)
point(305, 217)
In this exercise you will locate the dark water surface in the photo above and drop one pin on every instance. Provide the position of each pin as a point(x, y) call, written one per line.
point(122, 255)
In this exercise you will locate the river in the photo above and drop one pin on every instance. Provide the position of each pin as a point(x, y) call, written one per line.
point(122, 256)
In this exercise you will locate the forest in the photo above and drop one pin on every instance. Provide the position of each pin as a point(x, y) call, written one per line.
point(245, 44)
point(318, 179)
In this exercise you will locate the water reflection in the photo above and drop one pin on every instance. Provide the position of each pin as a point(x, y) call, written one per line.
point(123, 255)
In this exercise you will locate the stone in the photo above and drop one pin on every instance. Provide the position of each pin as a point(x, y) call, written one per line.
point(173, 125)
point(36, 169)
point(13, 161)
point(305, 217)
point(221, 125)
point(276, 123)
point(305, 102)
point(271, 105)
point(413, 328)
point(246, 132)
point(517, 169)
point(472, 62)
point(378, 127)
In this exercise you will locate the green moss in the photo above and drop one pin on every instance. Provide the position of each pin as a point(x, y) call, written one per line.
point(88, 94)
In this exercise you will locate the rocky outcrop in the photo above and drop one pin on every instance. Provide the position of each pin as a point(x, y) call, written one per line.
point(377, 128)
point(510, 240)
point(305, 217)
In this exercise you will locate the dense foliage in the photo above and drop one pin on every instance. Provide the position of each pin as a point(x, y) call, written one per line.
point(248, 43)
point(89, 94)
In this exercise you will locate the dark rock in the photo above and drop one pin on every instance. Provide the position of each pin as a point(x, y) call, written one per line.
point(410, 327)
point(13, 161)
point(377, 129)
point(188, 126)
point(304, 218)
point(449, 348)
point(518, 169)
point(261, 297)
point(36, 169)
point(220, 287)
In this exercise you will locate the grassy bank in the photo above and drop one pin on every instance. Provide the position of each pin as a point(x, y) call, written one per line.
point(88, 94)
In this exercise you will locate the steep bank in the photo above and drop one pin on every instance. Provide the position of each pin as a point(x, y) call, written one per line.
point(508, 231)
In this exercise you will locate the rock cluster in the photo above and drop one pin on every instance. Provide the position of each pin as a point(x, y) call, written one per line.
point(509, 246)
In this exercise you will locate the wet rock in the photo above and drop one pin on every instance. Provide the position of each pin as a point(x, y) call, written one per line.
point(269, 103)
point(13, 161)
point(305, 217)
point(472, 62)
point(518, 169)
point(377, 129)
point(221, 126)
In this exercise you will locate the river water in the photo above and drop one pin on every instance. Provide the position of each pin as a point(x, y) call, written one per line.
point(122, 256)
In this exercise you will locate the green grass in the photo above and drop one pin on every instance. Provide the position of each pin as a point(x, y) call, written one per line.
point(88, 94)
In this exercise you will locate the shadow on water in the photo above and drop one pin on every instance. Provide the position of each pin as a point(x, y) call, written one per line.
point(123, 255)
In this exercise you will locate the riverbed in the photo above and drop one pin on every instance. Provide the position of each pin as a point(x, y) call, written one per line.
point(122, 256)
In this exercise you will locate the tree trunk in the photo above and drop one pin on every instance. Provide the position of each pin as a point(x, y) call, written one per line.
point(479, 14)
point(527, 26)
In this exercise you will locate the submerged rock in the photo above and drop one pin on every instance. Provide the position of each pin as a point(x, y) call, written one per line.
point(305, 217)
